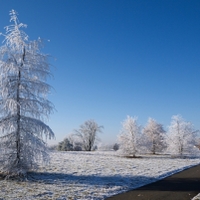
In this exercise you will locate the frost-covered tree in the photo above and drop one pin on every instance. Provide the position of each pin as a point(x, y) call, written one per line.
point(116, 147)
point(23, 102)
point(87, 133)
point(182, 137)
point(154, 136)
point(128, 139)
point(65, 145)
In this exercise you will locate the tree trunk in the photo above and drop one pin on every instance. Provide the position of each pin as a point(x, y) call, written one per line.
point(18, 120)
point(154, 146)
point(18, 136)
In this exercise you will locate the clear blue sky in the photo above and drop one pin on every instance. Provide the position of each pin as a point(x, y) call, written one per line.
point(116, 58)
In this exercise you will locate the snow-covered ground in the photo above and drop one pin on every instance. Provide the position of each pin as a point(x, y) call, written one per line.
point(91, 175)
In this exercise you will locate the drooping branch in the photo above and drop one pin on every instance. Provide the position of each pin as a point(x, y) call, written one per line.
point(23, 102)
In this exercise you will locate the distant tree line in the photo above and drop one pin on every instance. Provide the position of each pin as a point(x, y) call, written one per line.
point(180, 139)
point(69, 145)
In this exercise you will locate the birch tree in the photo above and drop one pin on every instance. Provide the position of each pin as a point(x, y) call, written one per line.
point(128, 139)
point(87, 133)
point(154, 136)
point(182, 137)
point(23, 101)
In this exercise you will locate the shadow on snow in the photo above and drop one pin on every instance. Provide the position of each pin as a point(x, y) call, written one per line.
point(129, 182)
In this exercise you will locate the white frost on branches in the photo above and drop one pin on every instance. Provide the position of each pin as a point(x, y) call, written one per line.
point(128, 139)
point(23, 103)
point(154, 137)
point(182, 137)
point(87, 133)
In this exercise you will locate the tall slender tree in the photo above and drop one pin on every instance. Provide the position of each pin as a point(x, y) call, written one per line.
point(128, 139)
point(23, 102)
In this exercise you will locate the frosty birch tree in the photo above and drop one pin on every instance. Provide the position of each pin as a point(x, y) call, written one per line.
point(154, 136)
point(87, 133)
point(23, 102)
point(129, 136)
point(182, 137)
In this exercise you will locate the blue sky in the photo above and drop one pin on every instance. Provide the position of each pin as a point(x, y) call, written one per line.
point(115, 58)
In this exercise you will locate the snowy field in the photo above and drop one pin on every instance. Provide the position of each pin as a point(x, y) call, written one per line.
point(91, 175)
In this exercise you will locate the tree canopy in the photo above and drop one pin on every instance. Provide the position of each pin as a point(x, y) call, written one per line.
point(23, 101)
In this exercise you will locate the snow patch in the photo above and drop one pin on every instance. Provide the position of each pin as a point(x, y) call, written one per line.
point(92, 175)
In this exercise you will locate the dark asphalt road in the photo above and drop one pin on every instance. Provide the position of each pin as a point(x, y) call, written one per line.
point(181, 186)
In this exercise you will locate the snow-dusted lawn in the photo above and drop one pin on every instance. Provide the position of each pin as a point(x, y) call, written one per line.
point(92, 175)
